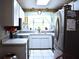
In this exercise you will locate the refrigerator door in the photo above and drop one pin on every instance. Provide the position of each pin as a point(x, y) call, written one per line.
point(59, 31)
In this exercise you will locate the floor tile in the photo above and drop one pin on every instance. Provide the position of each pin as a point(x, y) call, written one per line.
point(41, 57)
point(47, 57)
point(41, 54)
point(31, 58)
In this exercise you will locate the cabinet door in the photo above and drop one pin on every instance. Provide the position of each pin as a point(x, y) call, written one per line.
point(19, 50)
point(34, 42)
point(7, 7)
point(18, 13)
point(40, 41)
point(10, 12)
point(46, 42)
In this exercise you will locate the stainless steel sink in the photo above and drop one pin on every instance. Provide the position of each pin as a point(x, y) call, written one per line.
point(20, 36)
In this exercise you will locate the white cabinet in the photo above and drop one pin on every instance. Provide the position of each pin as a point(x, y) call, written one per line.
point(9, 12)
point(18, 13)
point(40, 41)
point(46, 42)
point(34, 43)
point(6, 12)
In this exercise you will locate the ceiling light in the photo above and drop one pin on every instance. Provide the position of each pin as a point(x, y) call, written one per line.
point(42, 2)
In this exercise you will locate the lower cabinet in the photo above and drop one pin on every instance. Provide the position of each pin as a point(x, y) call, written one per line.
point(40, 41)
point(19, 50)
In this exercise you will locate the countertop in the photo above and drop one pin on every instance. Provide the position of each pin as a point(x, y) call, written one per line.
point(27, 34)
point(15, 41)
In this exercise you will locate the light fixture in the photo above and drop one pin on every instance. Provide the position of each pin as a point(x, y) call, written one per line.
point(42, 2)
point(39, 12)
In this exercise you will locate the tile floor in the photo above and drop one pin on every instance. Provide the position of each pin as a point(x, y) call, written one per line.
point(41, 54)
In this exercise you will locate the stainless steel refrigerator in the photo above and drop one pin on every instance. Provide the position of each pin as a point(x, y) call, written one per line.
point(66, 42)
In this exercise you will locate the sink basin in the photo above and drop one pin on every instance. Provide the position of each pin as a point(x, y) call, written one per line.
point(19, 36)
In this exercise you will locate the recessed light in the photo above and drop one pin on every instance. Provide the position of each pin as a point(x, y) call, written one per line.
point(42, 2)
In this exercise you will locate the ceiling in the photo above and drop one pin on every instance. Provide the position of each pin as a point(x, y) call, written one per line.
point(53, 4)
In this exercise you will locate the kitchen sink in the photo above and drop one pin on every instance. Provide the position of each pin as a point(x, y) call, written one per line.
point(20, 36)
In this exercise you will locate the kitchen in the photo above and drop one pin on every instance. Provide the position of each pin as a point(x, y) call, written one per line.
point(23, 38)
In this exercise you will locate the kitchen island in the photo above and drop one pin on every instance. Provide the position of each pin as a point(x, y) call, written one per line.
point(18, 46)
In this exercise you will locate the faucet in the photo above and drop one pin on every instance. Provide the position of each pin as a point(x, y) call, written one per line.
point(38, 29)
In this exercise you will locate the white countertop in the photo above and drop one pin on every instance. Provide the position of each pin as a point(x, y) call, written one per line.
point(15, 41)
point(26, 34)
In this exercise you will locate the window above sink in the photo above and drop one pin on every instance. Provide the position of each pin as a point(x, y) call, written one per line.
point(34, 21)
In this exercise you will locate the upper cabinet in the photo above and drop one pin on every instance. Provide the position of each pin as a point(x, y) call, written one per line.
point(18, 13)
point(10, 13)
point(6, 12)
